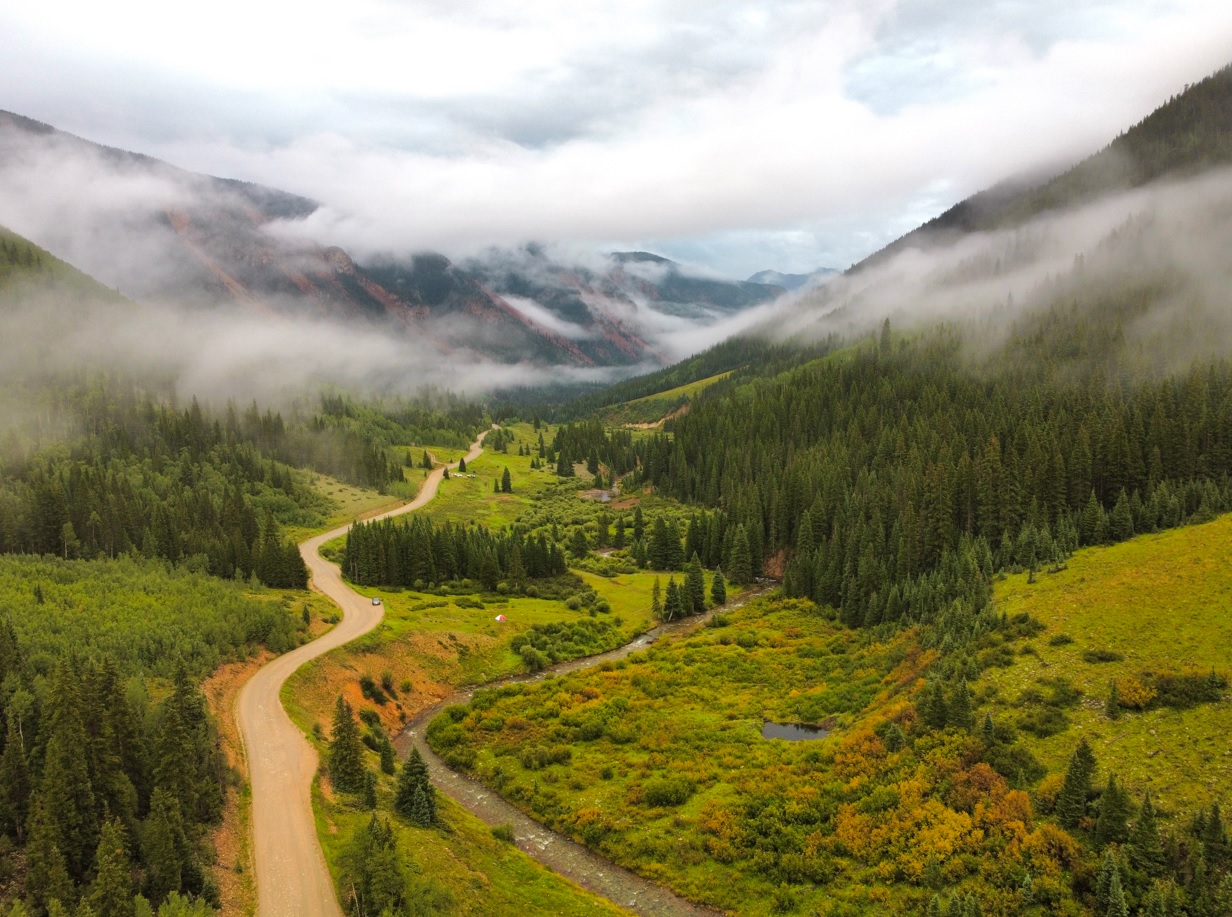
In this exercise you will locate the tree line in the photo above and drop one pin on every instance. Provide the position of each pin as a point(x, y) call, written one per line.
point(890, 477)
point(417, 552)
point(144, 478)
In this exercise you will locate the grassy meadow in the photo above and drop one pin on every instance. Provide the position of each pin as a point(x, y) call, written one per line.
point(657, 760)
point(1158, 603)
point(651, 409)
point(432, 642)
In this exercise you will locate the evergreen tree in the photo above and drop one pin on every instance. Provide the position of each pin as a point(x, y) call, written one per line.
point(15, 781)
point(656, 600)
point(1071, 803)
point(1117, 907)
point(66, 788)
point(415, 797)
point(1112, 708)
point(164, 846)
point(718, 590)
point(579, 547)
point(1214, 838)
point(660, 550)
point(346, 762)
point(639, 524)
point(1144, 849)
point(1094, 523)
point(1112, 825)
point(694, 597)
point(111, 895)
point(47, 877)
point(462, 465)
point(1121, 520)
point(673, 603)
point(368, 794)
point(1109, 869)
point(740, 562)
point(987, 731)
point(506, 482)
point(372, 879)
point(934, 710)
point(958, 713)
point(389, 761)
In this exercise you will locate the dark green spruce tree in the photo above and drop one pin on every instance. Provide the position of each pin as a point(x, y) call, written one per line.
point(111, 894)
point(718, 590)
point(415, 797)
point(694, 586)
point(1071, 803)
point(346, 755)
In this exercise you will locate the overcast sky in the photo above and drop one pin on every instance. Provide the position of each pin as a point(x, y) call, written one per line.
point(733, 135)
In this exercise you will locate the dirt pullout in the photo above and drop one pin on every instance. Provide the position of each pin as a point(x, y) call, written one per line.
point(559, 853)
point(293, 879)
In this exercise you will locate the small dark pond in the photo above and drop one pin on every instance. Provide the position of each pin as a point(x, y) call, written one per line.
point(792, 732)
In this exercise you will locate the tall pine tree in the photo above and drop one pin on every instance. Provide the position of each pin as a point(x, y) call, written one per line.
point(346, 758)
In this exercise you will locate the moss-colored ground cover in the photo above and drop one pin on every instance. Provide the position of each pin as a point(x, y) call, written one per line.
point(348, 502)
point(658, 761)
point(438, 643)
point(653, 408)
point(1160, 603)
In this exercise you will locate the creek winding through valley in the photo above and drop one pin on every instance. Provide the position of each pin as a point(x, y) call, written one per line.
point(292, 877)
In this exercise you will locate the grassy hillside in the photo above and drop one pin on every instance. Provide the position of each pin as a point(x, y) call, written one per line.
point(1157, 604)
point(651, 409)
point(25, 268)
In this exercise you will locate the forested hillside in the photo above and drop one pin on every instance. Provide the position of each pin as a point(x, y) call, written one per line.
point(1190, 133)
point(110, 772)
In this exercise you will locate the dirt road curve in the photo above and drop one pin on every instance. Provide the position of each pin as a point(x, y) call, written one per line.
point(292, 878)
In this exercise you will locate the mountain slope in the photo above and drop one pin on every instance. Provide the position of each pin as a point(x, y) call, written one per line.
point(1190, 133)
point(793, 281)
point(163, 235)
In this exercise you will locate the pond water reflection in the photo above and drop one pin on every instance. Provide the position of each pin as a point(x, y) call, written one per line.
point(793, 732)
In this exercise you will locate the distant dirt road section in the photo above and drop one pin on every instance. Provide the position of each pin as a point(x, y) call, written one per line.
point(292, 878)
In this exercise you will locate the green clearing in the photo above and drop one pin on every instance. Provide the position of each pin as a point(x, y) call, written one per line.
point(437, 643)
point(650, 409)
point(346, 503)
point(145, 615)
point(1161, 602)
point(459, 868)
point(657, 760)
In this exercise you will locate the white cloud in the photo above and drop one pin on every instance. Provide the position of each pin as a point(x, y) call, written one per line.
point(457, 126)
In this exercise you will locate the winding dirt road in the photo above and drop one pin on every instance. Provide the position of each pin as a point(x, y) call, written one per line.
point(292, 878)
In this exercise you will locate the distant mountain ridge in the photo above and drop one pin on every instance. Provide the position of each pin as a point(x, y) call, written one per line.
point(162, 234)
point(793, 281)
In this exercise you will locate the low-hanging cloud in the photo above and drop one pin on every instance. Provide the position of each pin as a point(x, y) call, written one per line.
point(657, 124)
point(1156, 257)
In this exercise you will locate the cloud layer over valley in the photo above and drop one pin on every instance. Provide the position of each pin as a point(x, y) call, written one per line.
point(742, 136)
